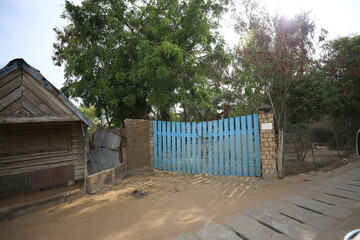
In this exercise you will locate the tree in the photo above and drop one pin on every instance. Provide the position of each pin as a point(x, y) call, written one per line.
point(274, 62)
point(90, 113)
point(129, 57)
point(341, 66)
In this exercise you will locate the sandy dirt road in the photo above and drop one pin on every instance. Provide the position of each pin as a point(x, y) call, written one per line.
point(175, 203)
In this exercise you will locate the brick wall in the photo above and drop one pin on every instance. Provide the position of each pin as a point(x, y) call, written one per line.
point(268, 146)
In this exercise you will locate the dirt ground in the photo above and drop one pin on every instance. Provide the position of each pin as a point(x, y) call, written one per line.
point(325, 159)
point(175, 203)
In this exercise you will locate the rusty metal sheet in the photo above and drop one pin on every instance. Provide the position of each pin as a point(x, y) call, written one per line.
point(14, 184)
point(52, 177)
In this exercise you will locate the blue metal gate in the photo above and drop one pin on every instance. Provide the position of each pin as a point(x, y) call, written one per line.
point(222, 147)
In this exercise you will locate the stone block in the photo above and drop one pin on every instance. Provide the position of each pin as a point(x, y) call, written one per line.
point(185, 236)
point(217, 231)
point(290, 227)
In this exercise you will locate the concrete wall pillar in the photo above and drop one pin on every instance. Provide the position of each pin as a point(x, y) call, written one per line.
point(151, 134)
point(267, 139)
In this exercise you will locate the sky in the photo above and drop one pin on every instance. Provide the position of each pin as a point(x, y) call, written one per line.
point(26, 27)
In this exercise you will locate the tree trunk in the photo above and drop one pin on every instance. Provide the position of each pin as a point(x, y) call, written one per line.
point(184, 112)
point(280, 151)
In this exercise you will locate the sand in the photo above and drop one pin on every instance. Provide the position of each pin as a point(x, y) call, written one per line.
point(175, 203)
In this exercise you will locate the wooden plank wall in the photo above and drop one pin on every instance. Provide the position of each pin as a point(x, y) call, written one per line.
point(25, 163)
point(24, 99)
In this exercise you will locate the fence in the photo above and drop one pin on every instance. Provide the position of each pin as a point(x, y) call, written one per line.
point(222, 147)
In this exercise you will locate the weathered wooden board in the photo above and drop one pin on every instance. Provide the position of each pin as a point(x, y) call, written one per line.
point(35, 156)
point(35, 168)
point(10, 86)
point(38, 103)
point(38, 162)
point(52, 101)
point(34, 119)
point(33, 140)
point(12, 109)
point(10, 76)
point(42, 160)
point(24, 114)
point(10, 98)
point(30, 107)
point(44, 95)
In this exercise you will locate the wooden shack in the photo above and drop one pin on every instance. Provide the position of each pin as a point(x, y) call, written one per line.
point(42, 134)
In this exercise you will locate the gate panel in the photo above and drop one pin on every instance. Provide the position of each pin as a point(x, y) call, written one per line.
point(221, 147)
point(257, 146)
point(250, 145)
point(199, 148)
point(203, 151)
point(216, 155)
point(232, 147)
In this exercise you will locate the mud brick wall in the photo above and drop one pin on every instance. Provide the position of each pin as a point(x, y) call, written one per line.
point(138, 148)
point(268, 146)
point(151, 134)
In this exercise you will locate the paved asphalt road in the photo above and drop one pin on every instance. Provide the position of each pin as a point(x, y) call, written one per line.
point(325, 211)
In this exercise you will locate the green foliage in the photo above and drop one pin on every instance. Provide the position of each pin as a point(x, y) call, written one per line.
point(90, 112)
point(309, 100)
point(341, 66)
point(276, 65)
point(128, 57)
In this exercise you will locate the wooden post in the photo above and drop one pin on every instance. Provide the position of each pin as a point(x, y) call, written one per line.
point(85, 151)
